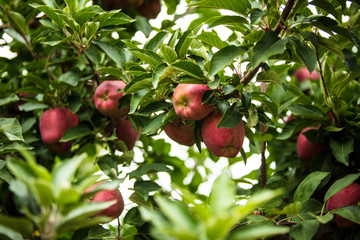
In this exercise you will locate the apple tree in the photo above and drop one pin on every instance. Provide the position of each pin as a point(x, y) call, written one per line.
point(84, 108)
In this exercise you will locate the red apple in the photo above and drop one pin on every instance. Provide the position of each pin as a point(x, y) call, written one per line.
point(303, 74)
point(187, 101)
point(150, 9)
point(346, 197)
point(117, 4)
point(180, 132)
point(306, 149)
point(222, 142)
point(107, 96)
point(115, 210)
point(53, 123)
point(125, 132)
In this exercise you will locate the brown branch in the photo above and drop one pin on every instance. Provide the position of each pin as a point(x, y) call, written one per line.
point(13, 25)
point(4, 26)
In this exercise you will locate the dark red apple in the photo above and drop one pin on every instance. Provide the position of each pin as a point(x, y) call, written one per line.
point(187, 101)
point(180, 132)
point(306, 149)
point(346, 197)
point(150, 9)
point(125, 133)
point(115, 210)
point(303, 74)
point(53, 123)
point(107, 96)
point(119, 4)
point(222, 142)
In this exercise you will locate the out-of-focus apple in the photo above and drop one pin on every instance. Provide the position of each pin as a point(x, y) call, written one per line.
point(180, 132)
point(150, 9)
point(115, 210)
point(53, 123)
point(117, 4)
point(222, 142)
point(346, 197)
point(306, 149)
point(303, 74)
point(106, 98)
point(125, 132)
point(187, 101)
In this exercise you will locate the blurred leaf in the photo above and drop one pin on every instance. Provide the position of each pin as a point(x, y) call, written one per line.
point(50, 12)
point(10, 233)
point(304, 230)
point(148, 168)
point(240, 6)
point(351, 61)
point(145, 187)
point(70, 78)
point(17, 224)
point(307, 187)
point(269, 76)
point(79, 131)
point(257, 231)
point(224, 57)
point(340, 185)
point(10, 129)
point(147, 56)
point(222, 194)
point(267, 100)
point(307, 111)
point(341, 148)
point(9, 99)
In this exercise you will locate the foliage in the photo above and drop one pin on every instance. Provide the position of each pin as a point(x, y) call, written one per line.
point(62, 50)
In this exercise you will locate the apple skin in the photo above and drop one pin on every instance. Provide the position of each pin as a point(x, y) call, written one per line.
point(125, 132)
point(150, 9)
point(106, 98)
point(53, 123)
point(306, 149)
point(222, 142)
point(119, 4)
point(303, 74)
point(346, 197)
point(115, 210)
point(187, 101)
point(180, 132)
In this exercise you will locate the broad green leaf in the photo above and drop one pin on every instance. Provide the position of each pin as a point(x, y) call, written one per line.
point(91, 29)
point(183, 44)
point(231, 118)
point(147, 56)
point(213, 39)
point(306, 54)
point(168, 53)
point(341, 148)
point(331, 46)
point(116, 72)
point(307, 111)
point(189, 68)
point(240, 6)
point(72, 6)
point(269, 45)
point(158, 74)
point(112, 51)
point(340, 185)
point(325, 218)
point(79, 131)
point(10, 233)
point(351, 61)
point(290, 209)
point(156, 41)
point(10, 129)
point(112, 18)
point(50, 12)
point(154, 123)
point(257, 231)
point(20, 22)
point(304, 230)
point(148, 168)
point(71, 78)
point(137, 98)
point(235, 21)
point(269, 76)
point(267, 100)
point(14, 146)
point(349, 212)
point(307, 187)
point(222, 194)
point(85, 14)
point(145, 187)
point(17, 224)
point(224, 57)
point(325, 5)
point(9, 99)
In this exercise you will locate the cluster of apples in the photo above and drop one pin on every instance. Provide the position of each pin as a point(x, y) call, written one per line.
point(222, 142)
point(146, 8)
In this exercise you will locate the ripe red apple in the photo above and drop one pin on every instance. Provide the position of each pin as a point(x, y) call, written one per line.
point(53, 123)
point(180, 132)
point(125, 132)
point(346, 197)
point(187, 101)
point(150, 9)
point(303, 74)
point(117, 4)
point(115, 210)
point(306, 149)
point(222, 142)
point(107, 96)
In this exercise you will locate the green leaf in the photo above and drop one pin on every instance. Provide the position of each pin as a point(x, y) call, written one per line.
point(49, 12)
point(10, 129)
point(269, 45)
point(116, 72)
point(76, 132)
point(189, 68)
point(10, 233)
point(351, 61)
point(349, 212)
point(137, 98)
point(257, 231)
point(156, 41)
point(269, 76)
point(306, 54)
point(17, 224)
point(213, 39)
point(183, 44)
point(85, 14)
point(240, 6)
point(91, 29)
point(340, 185)
point(306, 111)
point(147, 56)
point(168, 53)
point(153, 107)
point(158, 74)
point(290, 209)
point(341, 148)
point(325, 5)
point(145, 187)
point(267, 100)
point(304, 230)
point(147, 169)
point(231, 118)
point(222, 194)
point(71, 78)
point(224, 57)
point(154, 123)
point(112, 51)
point(231, 21)
point(307, 187)
point(9, 99)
